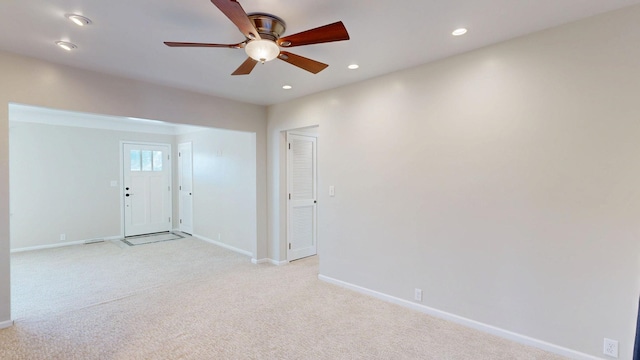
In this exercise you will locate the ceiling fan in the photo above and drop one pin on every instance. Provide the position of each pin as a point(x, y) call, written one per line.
point(262, 32)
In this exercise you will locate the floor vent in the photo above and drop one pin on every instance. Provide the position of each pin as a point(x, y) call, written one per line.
point(93, 241)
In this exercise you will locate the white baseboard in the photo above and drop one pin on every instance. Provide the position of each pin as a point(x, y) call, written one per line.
point(223, 245)
point(506, 334)
point(67, 243)
point(6, 324)
point(270, 261)
point(50, 246)
point(278, 263)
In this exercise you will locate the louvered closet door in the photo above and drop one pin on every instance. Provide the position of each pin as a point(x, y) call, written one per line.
point(301, 173)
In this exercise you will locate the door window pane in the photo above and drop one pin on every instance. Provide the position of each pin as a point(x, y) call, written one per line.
point(146, 160)
point(157, 161)
point(135, 160)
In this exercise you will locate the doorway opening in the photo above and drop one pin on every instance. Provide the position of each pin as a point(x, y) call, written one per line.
point(68, 186)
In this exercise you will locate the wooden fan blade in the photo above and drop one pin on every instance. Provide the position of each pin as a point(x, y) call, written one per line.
point(235, 13)
point(302, 62)
point(246, 67)
point(188, 44)
point(323, 34)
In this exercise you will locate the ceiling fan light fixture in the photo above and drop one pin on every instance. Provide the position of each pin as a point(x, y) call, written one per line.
point(78, 19)
point(262, 50)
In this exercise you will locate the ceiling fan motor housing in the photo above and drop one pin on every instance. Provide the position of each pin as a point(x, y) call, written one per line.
point(269, 26)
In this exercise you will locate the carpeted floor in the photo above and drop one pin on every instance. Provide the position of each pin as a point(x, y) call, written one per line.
point(188, 299)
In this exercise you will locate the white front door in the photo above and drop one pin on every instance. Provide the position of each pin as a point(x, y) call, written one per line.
point(185, 181)
point(147, 190)
point(301, 181)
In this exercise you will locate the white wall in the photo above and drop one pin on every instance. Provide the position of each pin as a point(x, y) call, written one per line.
point(503, 182)
point(60, 182)
point(224, 183)
point(40, 83)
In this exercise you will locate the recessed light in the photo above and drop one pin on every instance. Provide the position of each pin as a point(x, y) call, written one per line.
point(287, 87)
point(66, 45)
point(458, 32)
point(353, 66)
point(78, 19)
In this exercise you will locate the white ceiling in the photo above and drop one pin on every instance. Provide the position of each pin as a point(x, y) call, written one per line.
point(126, 38)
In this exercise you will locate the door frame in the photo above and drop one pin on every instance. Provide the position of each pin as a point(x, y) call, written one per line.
point(287, 221)
point(170, 162)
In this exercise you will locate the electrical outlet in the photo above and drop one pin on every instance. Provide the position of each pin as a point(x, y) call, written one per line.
point(610, 348)
point(417, 295)
point(219, 236)
point(63, 237)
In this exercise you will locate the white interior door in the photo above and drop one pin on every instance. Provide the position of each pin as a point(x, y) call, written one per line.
point(185, 165)
point(147, 190)
point(302, 209)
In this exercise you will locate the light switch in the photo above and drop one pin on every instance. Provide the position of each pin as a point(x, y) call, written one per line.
point(332, 190)
point(114, 183)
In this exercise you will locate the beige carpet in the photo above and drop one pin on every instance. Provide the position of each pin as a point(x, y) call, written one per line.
point(187, 299)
